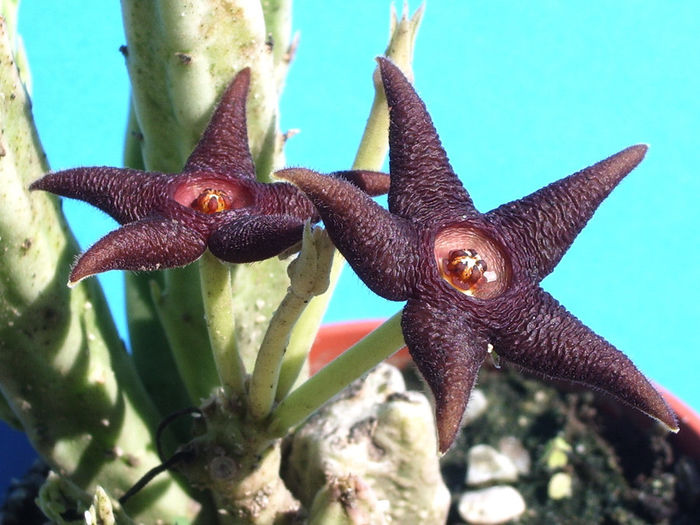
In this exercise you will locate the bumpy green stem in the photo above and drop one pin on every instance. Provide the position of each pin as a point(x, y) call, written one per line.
point(327, 382)
point(63, 369)
point(278, 22)
point(218, 308)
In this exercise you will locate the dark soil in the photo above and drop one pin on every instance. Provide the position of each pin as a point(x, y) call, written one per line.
point(625, 468)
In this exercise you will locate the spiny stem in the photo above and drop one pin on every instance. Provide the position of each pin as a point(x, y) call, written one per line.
point(327, 382)
point(215, 279)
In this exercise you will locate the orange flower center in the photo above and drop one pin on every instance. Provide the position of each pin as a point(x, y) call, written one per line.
point(212, 201)
point(464, 269)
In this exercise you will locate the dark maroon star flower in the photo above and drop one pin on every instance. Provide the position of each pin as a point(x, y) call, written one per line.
point(169, 220)
point(471, 279)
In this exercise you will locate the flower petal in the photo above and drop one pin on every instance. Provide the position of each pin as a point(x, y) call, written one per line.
point(448, 355)
point(126, 194)
point(545, 223)
point(223, 147)
point(149, 244)
point(381, 248)
point(373, 183)
point(540, 335)
point(423, 185)
point(255, 237)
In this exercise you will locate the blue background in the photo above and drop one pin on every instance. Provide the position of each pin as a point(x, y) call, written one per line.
point(521, 93)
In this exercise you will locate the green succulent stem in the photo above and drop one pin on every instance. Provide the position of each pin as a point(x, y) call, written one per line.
point(374, 145)
point(379, 344)
point(64, 372)
point(179, 307)
point(180, 56)
point(215, 278)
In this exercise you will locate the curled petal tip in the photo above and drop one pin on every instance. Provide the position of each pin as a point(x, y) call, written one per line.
point(46, 182)
point(144, 245)
point(448, 424)
point(72, 283)
point(307, 180)
point(82, 269)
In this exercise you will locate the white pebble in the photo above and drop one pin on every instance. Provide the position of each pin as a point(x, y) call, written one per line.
point(513, 448)
point(492, 505)
point(486, 464)
point(476, 406)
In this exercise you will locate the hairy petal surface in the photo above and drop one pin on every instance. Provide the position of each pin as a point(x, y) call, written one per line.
point(542, 336)
point(373, 183)
point(125, 194)
point(545, 223)
point(145, 245)
point(255, 237)
point(448, 354)
point(423, 185)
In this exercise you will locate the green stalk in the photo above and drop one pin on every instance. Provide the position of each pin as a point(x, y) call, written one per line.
point(374, 145)
point(308, 277)
point(292, 369)
point(218, 308)
point(339, 373)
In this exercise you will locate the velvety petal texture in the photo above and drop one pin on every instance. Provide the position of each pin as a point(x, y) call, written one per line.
point(545, 223)
point(170, 219)
point(472, 280)
point(140, 246)
point(448, 354)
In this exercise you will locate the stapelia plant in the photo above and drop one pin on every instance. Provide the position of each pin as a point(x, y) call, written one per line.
point(227, 342)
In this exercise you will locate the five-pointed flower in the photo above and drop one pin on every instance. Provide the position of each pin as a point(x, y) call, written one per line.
point(170, 219)
point(471, 279)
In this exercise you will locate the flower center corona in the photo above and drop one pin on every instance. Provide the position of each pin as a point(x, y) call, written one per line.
point(464, 269)
point(212, 201)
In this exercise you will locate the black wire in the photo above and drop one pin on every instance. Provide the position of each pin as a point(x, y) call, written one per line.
point(169, 419)
point(166, 464)
point(148, 476)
